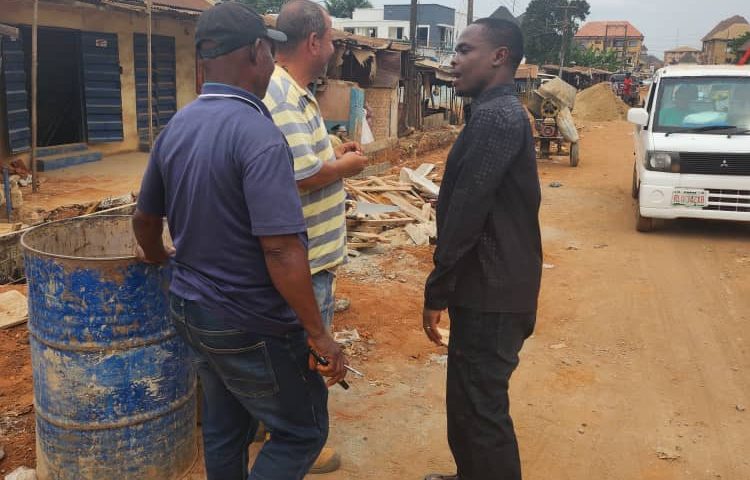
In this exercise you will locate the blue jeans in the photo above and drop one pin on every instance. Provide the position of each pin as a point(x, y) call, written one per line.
point(323, 286)
point(247, 378)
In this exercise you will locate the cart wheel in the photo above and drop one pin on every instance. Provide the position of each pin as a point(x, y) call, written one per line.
point(574, 154)
point(544, 148)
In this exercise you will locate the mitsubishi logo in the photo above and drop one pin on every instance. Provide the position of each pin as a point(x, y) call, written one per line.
point(724, 164)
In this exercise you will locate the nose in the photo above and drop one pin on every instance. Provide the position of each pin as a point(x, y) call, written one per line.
point(453, 60)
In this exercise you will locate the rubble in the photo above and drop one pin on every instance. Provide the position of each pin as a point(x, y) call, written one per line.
point(22, 473)
point(393, 201)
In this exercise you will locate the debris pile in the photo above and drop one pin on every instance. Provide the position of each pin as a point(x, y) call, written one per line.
point(378, 204)
point(599, 104)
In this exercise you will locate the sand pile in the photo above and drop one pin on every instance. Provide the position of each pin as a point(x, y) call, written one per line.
point(599, 104)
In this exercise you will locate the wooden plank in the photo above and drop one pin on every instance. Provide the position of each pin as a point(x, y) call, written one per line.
point(406, 207)
point(13, 309)
point(388, 222)
point(417, 234)
point(386, 188)
point(360, 245)
point(368, 236)
point(424, 169)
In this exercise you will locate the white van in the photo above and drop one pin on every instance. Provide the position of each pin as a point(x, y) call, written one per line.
point(692, 145)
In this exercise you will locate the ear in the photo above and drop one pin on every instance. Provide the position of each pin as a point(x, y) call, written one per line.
point(313, 43)
point(500, 57)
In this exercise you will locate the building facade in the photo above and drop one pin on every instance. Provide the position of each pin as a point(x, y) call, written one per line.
point(92, 74)
point(716, 49)
point(620, 36)
point(438, 26)
point(682, 54)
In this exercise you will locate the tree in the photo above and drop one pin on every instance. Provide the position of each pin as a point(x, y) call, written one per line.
point(265, 6)
point(543, 25)
point(735, 46)
point(345, 8)
point(606, 60)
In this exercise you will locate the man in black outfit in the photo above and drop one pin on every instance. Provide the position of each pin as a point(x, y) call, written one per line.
point(488, 259)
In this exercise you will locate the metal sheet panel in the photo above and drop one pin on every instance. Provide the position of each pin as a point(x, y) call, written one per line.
point(102, 89)
point(164, 82)
point(18, 117)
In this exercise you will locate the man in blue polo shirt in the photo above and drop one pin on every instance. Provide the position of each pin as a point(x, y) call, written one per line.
point(241, 292)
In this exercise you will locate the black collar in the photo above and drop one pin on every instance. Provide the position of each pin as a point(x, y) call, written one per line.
point(497, 91)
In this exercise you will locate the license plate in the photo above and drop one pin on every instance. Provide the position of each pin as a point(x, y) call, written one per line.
point(690, 197)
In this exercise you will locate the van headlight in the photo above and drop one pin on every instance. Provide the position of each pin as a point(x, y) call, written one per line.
point(664, 162)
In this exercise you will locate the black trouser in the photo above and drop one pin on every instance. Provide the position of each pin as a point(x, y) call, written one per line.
point(482, 354)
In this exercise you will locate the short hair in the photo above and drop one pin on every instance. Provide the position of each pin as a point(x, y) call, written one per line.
point(504, 33)
point(298, 19)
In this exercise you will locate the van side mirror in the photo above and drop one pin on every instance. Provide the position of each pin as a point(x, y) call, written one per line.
point(639, 116)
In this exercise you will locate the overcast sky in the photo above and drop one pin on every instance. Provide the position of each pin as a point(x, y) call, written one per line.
point(665, 23)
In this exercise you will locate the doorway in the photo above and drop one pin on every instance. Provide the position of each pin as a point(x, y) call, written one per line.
point(59, 84)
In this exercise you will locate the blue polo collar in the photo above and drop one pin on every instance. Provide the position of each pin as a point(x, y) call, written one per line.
point(213, 90)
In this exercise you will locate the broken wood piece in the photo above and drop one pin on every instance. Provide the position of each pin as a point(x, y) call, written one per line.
point(386, 188)
point(417, 234)
point(360, 245)
point(427, 211)
point(368, 236)
point(13, 309)
point(425, 169)
point(388, 222)
point(406, 207)
point(424, 185)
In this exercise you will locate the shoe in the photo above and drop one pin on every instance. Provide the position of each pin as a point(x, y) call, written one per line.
point(437, 476)
point(328, 461)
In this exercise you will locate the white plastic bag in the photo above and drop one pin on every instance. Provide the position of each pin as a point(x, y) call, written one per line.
point(367, 136)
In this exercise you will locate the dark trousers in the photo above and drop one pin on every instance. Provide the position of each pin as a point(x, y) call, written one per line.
point(482, 355)
point(247, 378)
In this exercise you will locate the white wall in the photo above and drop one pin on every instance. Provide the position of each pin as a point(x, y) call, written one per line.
point(367, 14)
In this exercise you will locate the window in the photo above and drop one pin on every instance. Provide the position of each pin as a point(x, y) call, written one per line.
point(349, 30)
point(633, 43)
point(693, 103)
point(446, 37)
point(396, 33)
point(423, 36)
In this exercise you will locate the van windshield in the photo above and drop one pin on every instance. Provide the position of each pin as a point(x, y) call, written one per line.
point(703, 105)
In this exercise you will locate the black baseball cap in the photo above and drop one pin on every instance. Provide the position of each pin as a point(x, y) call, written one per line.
point(231, 25)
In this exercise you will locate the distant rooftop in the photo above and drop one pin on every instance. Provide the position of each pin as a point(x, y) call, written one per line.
point(724, 24)
point(608, 28)
point(683, 49)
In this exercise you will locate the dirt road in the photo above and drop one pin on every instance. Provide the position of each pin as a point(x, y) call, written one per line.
point(639, 367)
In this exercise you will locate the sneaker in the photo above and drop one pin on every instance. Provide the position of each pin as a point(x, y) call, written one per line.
point(328, 461)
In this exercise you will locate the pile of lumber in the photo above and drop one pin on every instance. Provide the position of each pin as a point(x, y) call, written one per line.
point(381, 203)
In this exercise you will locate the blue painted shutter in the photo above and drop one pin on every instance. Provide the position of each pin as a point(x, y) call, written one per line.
point(16, 96)
point(101, 79)
point(164, 86)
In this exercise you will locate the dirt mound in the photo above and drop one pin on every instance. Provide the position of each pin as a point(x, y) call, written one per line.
point(599, 104)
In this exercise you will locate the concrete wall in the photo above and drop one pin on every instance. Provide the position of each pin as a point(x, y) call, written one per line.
point(384, 105)
point(430, 14)
point(85, 18)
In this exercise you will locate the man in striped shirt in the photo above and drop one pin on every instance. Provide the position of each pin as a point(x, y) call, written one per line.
point(319, 169)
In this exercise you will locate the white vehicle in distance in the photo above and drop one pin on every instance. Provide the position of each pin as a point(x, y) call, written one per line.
point(692, 146)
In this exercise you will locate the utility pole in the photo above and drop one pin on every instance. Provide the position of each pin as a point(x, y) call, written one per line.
point(34, 95)
point(469, 12)
point(513, 10)
point(566, 27)
point(149, 75)
point(411, 102)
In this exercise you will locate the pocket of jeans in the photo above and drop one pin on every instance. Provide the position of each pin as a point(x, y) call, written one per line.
point(243, 363)
point(177, 309)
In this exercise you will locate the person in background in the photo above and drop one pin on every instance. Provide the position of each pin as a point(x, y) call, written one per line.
point(338, 136)
point(318, 167)
point(674, 116)
point(488, 259)
point(241, 293)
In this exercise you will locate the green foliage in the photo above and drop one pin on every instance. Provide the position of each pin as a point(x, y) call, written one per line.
point(543, 25)
point(736, 45)
point(606, 60)
point(344, 8)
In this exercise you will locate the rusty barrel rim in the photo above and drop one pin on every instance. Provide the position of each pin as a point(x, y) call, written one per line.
point(35, 230)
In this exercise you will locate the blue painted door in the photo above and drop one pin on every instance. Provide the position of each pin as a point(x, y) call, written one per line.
point(164, 83)
point(16, 95)
point(101, 80)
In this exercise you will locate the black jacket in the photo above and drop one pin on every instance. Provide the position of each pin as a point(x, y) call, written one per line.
point(489, 249)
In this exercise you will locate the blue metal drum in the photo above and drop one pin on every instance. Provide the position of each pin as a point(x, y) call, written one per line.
point(114, 390)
